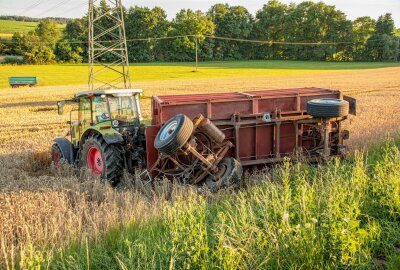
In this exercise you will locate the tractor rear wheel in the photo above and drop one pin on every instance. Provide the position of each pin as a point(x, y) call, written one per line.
point(229, 175)
point(102, 159)
point(56, 155)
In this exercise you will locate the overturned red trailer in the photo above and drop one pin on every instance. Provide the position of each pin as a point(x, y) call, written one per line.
point(261, 127)
point(203, 138)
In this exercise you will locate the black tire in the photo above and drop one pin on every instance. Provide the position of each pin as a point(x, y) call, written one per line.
point(56, 155)
point(328, 107)
point(112, 160)
point(231, 175)
point(173, 134)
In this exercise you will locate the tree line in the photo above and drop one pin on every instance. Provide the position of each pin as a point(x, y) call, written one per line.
point(305, 31)
point(31, 19)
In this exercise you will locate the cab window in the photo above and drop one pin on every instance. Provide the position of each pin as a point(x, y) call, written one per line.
point(123, 108)
point(84, 112)
point(100, 110)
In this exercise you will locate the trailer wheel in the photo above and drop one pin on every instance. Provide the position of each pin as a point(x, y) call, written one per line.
point(230, 175)
point(328, 107)
point(173, 134)
point(102, 159)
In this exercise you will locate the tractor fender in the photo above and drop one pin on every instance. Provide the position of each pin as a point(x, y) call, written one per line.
point(66, 148)
point(109, 138)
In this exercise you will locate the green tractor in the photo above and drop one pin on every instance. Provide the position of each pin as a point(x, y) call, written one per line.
point(107, 135)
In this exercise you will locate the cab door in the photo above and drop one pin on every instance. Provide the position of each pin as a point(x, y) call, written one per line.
point(85, 115)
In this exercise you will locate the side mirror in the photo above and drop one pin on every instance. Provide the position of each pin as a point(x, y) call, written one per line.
point(60, 107)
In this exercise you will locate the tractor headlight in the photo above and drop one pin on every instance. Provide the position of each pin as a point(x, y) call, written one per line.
point(115, 123)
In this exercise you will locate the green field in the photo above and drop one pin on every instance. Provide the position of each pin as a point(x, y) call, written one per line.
point(8, 27)
point(71, 74)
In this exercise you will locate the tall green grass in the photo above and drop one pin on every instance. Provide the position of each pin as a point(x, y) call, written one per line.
point(342, 215)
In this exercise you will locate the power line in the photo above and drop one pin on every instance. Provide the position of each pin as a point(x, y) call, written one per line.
point(280, 42)
point(37, 3)
point(69, 10)
point(54, 7)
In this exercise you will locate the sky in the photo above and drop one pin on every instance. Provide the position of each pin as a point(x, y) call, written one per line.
point(77, 8)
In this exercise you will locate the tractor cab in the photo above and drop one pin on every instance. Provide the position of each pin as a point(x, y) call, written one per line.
point(102, 110)
point(116, 108)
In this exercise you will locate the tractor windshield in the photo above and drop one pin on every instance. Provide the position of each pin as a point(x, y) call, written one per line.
point(123, 108)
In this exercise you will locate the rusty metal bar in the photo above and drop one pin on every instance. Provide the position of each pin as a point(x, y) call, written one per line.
point(301, 119)
point(277, 140)
point(189, 148)
point(220, 155)
point(326, 131)
point(296, 131)
point(237, 141)
point(176, 162)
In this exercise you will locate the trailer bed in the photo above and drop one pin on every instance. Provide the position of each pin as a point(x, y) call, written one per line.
point(219, 106)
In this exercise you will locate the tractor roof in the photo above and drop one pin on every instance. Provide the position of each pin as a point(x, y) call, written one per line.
point(118, 92)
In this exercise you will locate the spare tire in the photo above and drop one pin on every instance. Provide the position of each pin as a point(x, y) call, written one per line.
point(173, 134)
point(327, 107)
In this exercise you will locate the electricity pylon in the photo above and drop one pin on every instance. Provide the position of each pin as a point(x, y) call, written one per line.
point(108, 53)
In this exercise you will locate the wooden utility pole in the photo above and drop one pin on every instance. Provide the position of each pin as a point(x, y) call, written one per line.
point(197, 54)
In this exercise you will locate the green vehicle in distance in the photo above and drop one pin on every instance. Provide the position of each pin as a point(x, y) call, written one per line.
point(107, 135)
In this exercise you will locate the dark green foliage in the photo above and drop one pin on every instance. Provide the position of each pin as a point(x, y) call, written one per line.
point(306, 22)
point(40, 44)
point(333, 36)
point(143, 23)
point(48, 33)
point(72, 47)
point(19, 46)
point(383, 44)
point(69, 52)
point(363, 29)
point(189, 22)
point(233, 22)
point(36, 47)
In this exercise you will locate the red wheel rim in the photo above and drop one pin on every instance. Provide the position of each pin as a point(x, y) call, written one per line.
point(56, 158)
point(95, 161)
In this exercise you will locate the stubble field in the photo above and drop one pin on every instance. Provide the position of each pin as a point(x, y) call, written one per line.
point(46, 213)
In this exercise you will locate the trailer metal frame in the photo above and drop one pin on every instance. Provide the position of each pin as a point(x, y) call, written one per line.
point(263, 126)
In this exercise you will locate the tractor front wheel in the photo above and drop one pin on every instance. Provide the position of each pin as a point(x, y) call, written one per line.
point(102, 159)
